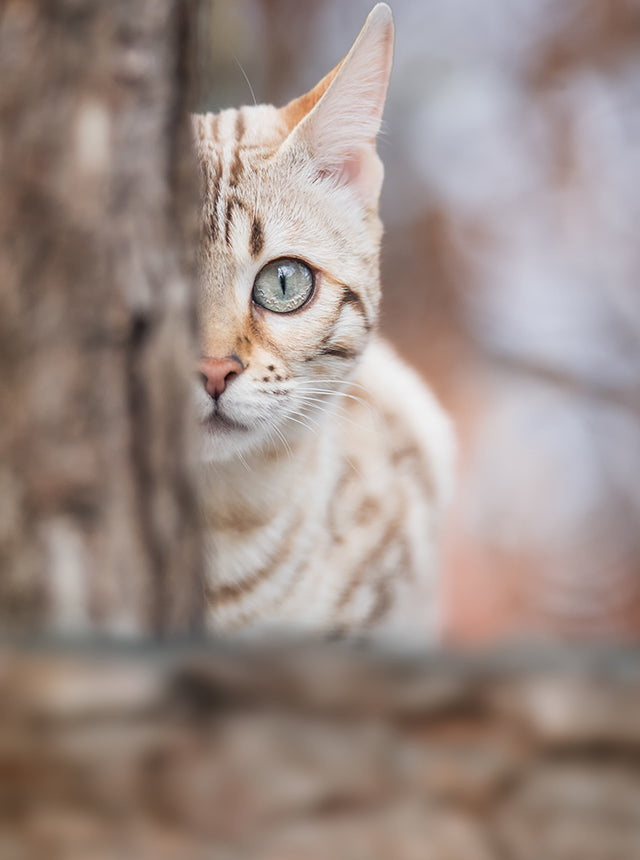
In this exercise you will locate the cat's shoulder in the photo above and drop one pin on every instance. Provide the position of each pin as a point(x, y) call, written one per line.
point(410, 409)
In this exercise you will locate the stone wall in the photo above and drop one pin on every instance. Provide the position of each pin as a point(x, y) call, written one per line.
point(306, 753)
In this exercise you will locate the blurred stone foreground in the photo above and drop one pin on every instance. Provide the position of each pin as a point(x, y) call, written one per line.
point(312, 752)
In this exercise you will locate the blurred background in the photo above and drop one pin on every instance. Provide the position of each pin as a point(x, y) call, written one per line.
point(510, 267)
point(511, 273)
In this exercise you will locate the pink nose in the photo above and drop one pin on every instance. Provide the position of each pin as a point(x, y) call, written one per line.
point(217, 373)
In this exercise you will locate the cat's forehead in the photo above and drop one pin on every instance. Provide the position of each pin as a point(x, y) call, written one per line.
point(260, 126)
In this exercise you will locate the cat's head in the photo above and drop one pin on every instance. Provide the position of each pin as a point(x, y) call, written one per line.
point(289, 276)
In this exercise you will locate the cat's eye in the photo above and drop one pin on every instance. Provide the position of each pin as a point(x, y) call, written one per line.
point(283, 285)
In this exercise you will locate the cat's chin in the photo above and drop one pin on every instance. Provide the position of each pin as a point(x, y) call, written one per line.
point(225, 439)
point(216, 448)
point(222, 439)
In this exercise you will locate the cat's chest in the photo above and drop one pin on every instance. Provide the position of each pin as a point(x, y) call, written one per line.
point(260, 514)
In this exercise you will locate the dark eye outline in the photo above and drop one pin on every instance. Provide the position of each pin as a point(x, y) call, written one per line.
point(286, 260)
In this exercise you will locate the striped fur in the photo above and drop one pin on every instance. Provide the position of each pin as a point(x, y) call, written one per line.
point(324, 479)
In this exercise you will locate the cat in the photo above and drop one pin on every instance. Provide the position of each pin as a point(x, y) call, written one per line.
point(326, 462)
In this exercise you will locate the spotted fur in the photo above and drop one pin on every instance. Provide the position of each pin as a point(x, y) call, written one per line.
point(326, 462)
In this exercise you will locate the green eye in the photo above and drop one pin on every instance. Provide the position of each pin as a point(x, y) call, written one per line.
point(283, 285)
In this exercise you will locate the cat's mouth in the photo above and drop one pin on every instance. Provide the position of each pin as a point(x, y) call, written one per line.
point(217, 421)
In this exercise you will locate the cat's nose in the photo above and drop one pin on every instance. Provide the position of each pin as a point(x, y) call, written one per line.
point(217, 373)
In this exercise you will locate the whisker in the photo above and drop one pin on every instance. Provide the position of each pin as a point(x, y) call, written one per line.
point(321, 380)
point(300, 414)
point(244, 74)
point(255, 102)
point(282, 437)
point(342, 418)
point(328, 382)
point(340, 394)
point(271, 430)
point(339, 407)
point(315, 402)
point(303, 424)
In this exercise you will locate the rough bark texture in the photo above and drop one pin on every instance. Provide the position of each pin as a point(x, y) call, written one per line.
point(97, 519)
point(310, 753)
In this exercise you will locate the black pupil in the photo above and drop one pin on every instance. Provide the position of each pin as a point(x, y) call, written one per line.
point(282, 278)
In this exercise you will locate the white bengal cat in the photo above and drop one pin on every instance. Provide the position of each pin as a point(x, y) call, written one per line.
point(326, 462)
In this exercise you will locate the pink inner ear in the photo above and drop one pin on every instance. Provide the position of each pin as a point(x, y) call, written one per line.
point(361, 170)
point(353, 168)
point(347, 172)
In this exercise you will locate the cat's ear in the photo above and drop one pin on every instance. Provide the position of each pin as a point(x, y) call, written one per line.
point(338, 120)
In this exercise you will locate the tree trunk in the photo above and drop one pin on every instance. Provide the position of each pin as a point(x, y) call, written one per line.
point(98, 526)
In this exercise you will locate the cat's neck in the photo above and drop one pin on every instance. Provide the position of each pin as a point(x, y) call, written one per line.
point(252, 488)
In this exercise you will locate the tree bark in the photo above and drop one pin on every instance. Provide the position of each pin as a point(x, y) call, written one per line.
point(98, 525)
